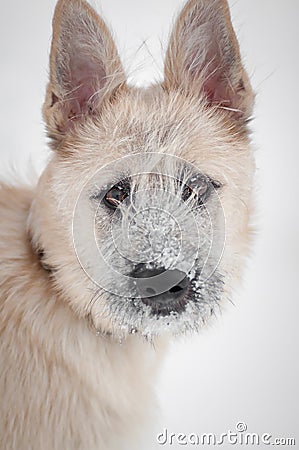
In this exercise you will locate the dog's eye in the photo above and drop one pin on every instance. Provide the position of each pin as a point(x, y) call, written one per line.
point(199, 187)
point(115, 196)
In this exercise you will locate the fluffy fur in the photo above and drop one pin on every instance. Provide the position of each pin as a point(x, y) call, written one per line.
point(78, 361)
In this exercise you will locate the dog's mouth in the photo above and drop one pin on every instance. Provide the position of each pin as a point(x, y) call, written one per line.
point(179, 310)
point(163, 305)
point(183, 307)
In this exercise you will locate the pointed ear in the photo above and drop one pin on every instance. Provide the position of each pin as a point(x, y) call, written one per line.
point(203, 58)
point(84, 67)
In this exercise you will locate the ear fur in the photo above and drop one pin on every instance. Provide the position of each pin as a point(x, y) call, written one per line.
point(84, 66)
point(203, 58)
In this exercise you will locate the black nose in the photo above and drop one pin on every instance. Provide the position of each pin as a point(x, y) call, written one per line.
point(160, 286)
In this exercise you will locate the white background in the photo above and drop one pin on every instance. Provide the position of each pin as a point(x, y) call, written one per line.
point(244, 367)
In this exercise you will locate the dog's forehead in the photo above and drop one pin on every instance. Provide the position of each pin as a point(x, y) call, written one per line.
point(152, 120)
point(144, 121)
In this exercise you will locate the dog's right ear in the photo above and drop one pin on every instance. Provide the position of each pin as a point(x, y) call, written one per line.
point(85, 67)
point(203, 59)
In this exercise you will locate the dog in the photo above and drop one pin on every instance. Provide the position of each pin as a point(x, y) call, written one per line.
point(135, 233)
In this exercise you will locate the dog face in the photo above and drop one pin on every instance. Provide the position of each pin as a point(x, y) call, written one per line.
point(143, 211)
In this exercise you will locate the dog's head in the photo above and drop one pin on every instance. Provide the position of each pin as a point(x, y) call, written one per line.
point(143, 211)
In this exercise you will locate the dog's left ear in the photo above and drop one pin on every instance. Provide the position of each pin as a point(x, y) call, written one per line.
point(203, 58)
point(85, 67)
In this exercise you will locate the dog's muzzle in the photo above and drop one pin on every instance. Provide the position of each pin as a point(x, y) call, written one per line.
point(163, 290)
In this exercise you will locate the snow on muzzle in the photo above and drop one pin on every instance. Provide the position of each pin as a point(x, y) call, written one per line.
point(159, 236)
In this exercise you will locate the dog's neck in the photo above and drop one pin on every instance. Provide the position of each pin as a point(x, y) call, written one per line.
point(40, 255)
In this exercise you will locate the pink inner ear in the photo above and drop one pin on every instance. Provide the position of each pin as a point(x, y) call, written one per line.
point(219, 92)
point(214, 64)
point(87, 78)
point(79, 100)
point(216, 91)
point(216, 83)
point(81, 97)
